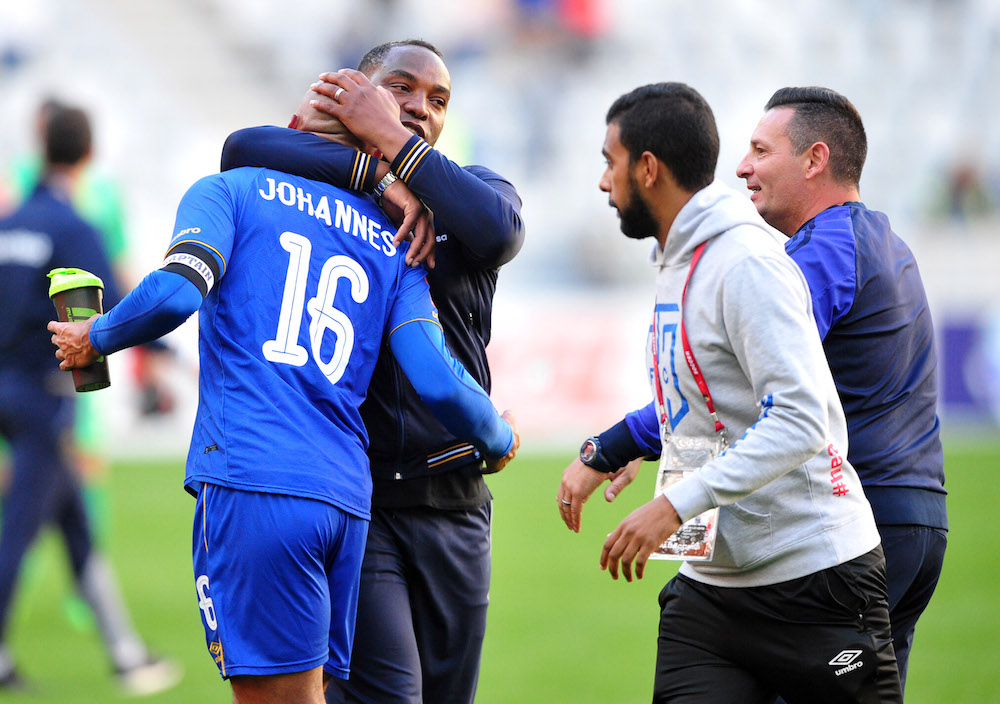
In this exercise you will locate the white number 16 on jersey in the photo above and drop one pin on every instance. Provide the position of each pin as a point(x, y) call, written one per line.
point(284, 348)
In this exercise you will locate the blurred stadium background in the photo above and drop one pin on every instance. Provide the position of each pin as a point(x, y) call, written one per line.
point(165, 82)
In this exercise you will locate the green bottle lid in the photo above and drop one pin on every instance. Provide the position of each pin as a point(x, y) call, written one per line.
point(65, 279)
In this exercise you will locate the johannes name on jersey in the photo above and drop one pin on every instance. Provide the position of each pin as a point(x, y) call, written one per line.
point(343, 216)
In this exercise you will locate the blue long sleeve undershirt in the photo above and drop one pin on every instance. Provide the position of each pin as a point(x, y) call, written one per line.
point(637, 435)
point(644, 429)
point(159, 304)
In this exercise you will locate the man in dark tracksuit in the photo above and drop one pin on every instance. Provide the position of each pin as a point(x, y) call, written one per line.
point(37, 404)
point(803, 169)
point(425, 579)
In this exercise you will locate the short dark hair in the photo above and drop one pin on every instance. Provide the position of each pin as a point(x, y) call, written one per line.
point(824, 115)
point(675, 124)
point(376, 55)
point(67, 136)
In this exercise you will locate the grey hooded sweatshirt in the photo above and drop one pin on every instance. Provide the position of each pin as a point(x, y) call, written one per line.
point(791, 505)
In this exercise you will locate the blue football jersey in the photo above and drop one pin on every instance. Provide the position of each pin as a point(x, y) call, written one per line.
point(309, 281)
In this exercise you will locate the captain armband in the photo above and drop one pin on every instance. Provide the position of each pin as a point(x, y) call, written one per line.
point(194, 263)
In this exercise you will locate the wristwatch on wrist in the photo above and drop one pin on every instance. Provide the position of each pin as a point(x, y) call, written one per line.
point(380, 187)
point(591, 455)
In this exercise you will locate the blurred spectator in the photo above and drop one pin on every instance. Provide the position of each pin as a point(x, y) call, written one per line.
point(97, 198)
point(558, 39)
point(965, 195)
point(36, 408)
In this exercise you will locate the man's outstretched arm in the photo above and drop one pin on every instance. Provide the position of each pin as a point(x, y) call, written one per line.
point(160, 303)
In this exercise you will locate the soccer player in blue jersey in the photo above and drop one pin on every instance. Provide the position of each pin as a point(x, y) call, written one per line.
point(803, 170)
point(425, 580)
point(297, 284)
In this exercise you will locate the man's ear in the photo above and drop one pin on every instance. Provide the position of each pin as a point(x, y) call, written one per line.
point(647, 169)
point(817, 158)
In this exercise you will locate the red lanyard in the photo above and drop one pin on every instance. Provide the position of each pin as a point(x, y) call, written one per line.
point(688, 357)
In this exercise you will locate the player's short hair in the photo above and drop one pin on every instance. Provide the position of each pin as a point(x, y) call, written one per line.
point(824, 115)
point(376, 55)
point(675, 124)
point(67, 135)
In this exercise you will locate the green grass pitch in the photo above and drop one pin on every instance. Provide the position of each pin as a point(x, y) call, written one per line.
point(560, 630)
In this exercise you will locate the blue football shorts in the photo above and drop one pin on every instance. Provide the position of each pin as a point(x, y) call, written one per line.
point(276, 579)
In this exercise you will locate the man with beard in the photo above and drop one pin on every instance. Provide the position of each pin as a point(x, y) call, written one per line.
point(792, 601)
